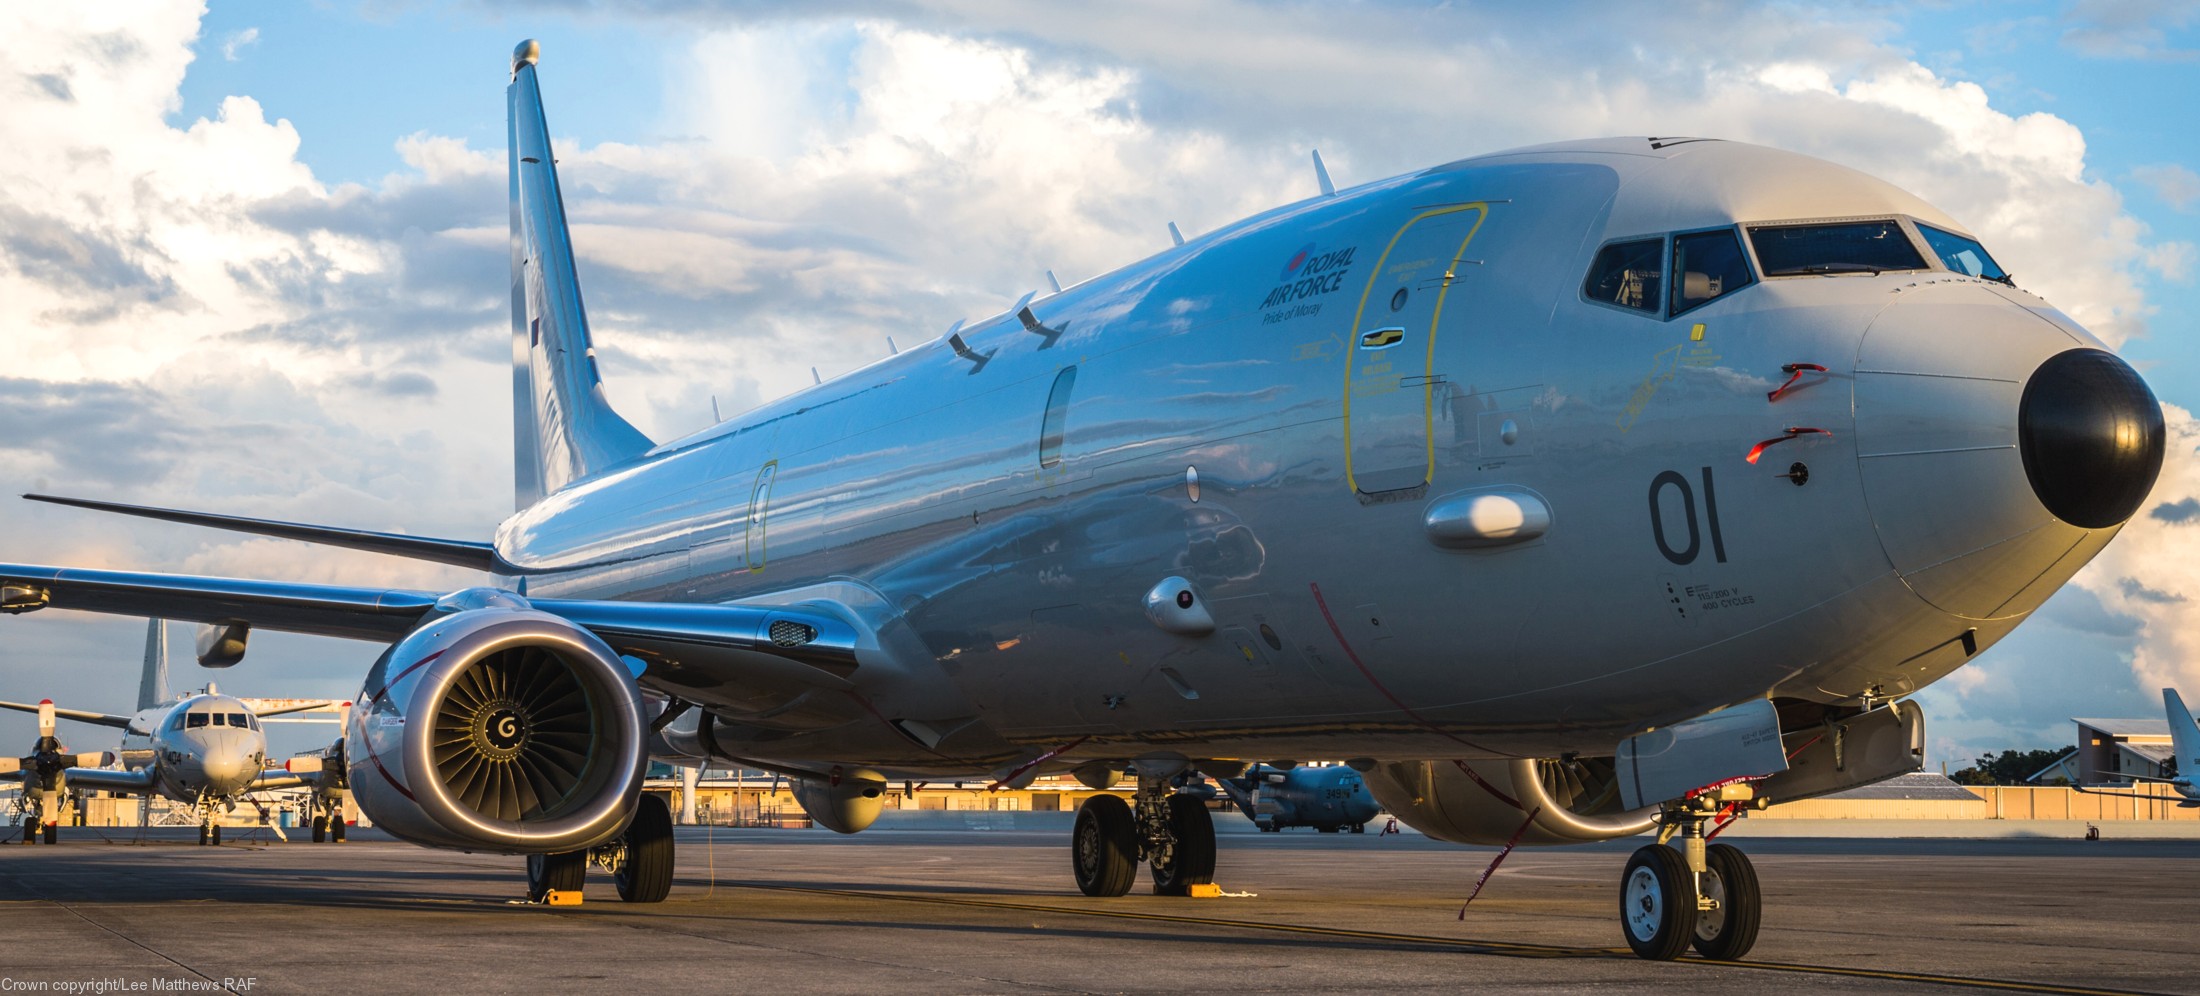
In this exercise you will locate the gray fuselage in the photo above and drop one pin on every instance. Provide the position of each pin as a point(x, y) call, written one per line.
point(1008, 570)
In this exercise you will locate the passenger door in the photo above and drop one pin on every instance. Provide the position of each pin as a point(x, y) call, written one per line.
point(1391, 380)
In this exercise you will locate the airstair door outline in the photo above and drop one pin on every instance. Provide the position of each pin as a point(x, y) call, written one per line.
point(760, 501)
point(1391, 380)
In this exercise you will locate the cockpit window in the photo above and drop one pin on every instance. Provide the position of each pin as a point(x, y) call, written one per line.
point(176, 723)
point(236, 719)
point(1843, 247)
point(195, 720)
point(1707, 265)
point(1628, 274)
point(1961, 254)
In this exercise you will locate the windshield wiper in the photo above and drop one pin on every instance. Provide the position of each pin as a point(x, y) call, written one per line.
point(1823, 268)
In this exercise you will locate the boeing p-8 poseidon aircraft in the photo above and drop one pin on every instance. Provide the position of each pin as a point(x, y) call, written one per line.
point(1571, 492)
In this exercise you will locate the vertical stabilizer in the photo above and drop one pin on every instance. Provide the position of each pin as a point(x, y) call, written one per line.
point(2184, 735)
point(153, 682)
point(563, 429)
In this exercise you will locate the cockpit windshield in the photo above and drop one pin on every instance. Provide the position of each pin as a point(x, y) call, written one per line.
point(1963, 255)
point(1839, 247)
point(238, 719)
point(196, 719)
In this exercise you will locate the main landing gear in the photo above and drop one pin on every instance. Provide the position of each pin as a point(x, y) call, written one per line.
point(1703, 895)
point(328, 823)
point(1172, 833)
point(639, 860)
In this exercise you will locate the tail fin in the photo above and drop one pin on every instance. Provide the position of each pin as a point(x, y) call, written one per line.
point(563, 428)
point(2184, 734)
point(153, 683)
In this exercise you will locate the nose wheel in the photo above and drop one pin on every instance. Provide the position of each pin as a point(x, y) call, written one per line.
point(1702, 895)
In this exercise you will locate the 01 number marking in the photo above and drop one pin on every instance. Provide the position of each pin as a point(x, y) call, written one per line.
point(1661, 531)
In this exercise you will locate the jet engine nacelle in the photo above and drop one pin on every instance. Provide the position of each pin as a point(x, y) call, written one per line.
point(1572, 802)
point(843, 802)
point(498, 728)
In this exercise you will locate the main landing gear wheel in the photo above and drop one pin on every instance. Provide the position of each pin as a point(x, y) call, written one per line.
point(1730, 930)
point(555, 872)
point(30, 832)
point(53, 833)
point(336, 828)
point(320, 829)
point(1657, 903)
point(1104, 847)
point(1190, 859)
point(646, 874)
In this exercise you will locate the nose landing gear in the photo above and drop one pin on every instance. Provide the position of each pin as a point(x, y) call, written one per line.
point(1704, 895)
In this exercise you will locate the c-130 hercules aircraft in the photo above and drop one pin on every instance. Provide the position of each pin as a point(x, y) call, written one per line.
point(1571, 492)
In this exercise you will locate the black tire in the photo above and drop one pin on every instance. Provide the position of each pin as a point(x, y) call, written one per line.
point(53, 833)
point(1359, 828)
point(1192, 859)
point(216, 837)
point(1104, 847)
point(1657, 903)
point(336, 828)
point(646, 875)
point(30, 832)
point(202, 835)
point(559, 872)
point(1728, 932)
point(320, 829)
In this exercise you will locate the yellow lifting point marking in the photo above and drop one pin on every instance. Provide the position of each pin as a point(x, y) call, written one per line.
point(1696, 334)
point(563, 897)
point(1206, 890)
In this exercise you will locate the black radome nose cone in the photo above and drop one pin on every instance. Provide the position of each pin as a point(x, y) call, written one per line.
point(2091, 433)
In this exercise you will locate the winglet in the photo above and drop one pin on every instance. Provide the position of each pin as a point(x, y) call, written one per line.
point(1321, 174)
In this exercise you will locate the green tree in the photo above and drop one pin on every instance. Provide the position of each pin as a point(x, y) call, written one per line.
point(2010, 767)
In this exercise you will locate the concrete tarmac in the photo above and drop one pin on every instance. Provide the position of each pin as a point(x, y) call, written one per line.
point(912, 911)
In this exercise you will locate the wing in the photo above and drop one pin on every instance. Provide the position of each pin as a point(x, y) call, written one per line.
point(730, 642)
point(2105, 775)
point(98, 718)
point(379, 614)
point(280, 778)
point(459, 553)
point(140, 780)
point(263, 711)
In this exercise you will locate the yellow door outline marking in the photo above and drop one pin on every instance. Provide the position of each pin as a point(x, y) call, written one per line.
point(1428, 388)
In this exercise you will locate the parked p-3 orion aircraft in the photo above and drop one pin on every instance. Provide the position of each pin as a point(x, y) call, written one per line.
point(1573, 492)
point(206, 749)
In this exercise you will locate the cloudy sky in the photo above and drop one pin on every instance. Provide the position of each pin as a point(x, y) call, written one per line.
point(252, 256)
